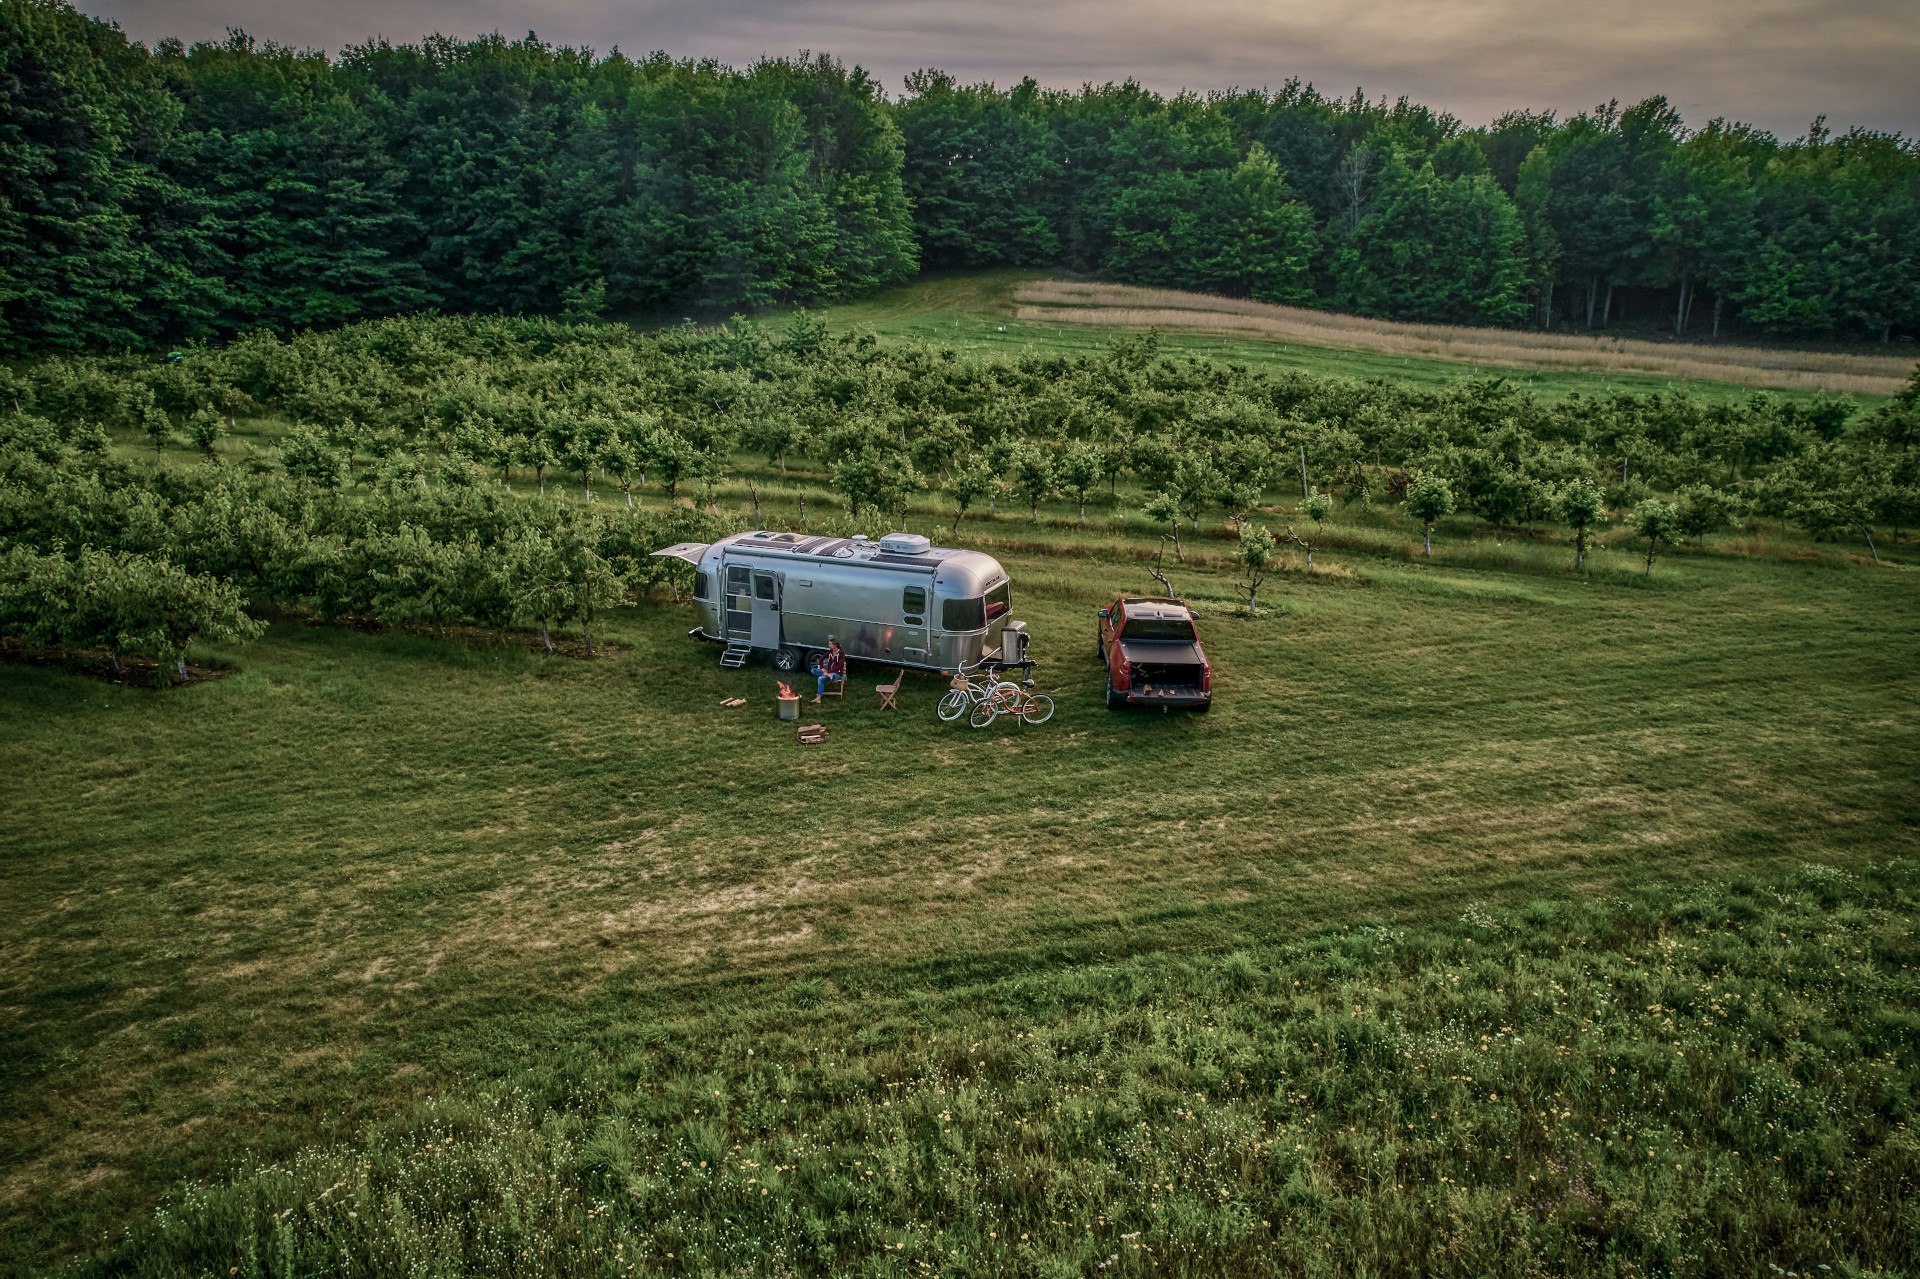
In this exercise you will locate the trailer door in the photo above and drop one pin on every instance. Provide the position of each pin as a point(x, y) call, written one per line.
point(766, 609)
point(739, 606)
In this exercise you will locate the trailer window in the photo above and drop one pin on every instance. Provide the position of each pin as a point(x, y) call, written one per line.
point(763, 586)
point(997, 602)
point(700, 584)
point(963, 615)
point(913, 603)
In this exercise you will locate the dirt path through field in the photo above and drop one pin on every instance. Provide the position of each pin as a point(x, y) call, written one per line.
point(1120, 305)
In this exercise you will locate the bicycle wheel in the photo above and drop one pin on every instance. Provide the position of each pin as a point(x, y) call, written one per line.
point(953, 704)
point(984, 713)
point(1037, 709)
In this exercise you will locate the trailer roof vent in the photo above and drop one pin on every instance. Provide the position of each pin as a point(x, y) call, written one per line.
point(905, 544)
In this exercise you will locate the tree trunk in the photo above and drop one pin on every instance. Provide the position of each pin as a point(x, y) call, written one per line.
point(586, 631)
point(1648, 571)
point(803, 508)
point(1178, 554)
point(954, 531)
point(1870, 548)
point(546, 636)
point(1426, 530)
point(783, 461)
point(1580, 548)
point(1033, 509)
point(1717, 300)
point(1303, 470)
point(1680, 310)
point(1546, 309)
point(1309, 559)
point(1253, 607)
point(1593, 297)
point(180, 663)
point(1083, 508)
point(1606, 315)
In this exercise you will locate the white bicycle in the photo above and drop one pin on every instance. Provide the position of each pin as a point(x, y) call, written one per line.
point(969, 689)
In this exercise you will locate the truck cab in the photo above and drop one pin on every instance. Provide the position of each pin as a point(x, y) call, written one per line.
point(1151, 648)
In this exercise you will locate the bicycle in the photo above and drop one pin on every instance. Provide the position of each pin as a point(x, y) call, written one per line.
point(1011, 699)
point(968, 689)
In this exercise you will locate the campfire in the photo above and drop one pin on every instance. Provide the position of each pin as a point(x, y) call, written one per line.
point(788, 707)
point(786, 690)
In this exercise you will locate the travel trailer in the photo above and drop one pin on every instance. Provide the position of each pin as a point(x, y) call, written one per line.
point(898, 600)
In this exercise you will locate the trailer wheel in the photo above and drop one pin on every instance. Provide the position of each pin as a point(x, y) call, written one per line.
point(786, 659)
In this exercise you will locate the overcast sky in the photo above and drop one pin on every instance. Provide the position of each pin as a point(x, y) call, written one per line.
point(1775, 63)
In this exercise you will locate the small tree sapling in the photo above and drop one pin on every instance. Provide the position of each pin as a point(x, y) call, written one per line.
point(1656, 521)
point(1253, 555)
point(1429, 498)
point(971, 479)
point(1164, 508)
point(1582, 505)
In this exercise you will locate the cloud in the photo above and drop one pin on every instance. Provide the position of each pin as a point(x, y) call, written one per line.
point(1775, 63)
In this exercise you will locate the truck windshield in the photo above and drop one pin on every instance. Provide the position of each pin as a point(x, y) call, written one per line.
point(1169, 630)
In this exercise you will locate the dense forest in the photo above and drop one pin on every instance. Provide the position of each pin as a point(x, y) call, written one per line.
point(158, 196)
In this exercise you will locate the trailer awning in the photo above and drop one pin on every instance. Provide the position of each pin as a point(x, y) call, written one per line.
point(688, 551)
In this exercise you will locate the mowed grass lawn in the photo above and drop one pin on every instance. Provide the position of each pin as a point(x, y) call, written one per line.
point(366, 870)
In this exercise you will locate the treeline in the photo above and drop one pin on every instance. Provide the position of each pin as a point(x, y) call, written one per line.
point(391, 497)
point(156, 196)
point(1403, 212)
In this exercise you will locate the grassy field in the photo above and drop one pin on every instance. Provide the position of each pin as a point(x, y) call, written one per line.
point(1012, 311)
point(485, 944)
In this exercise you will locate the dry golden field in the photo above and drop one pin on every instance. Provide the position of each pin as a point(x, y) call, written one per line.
point(1120, 305)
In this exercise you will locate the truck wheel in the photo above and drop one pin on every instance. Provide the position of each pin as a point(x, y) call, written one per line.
point(1115, 701)
point(1203, 708)
point(786, 659)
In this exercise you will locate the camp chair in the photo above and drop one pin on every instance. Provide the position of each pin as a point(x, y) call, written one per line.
point(836, 687)
point(888, 691)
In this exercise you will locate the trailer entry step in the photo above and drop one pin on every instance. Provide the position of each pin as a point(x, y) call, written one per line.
point(735, 657)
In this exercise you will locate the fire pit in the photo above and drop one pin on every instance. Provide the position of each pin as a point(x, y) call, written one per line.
point(789, 702)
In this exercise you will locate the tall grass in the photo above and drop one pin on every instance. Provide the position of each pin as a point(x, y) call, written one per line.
point(1708, 1082)
point(1061, 301)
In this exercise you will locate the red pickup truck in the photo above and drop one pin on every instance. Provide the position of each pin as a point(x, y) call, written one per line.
point(1153, 655)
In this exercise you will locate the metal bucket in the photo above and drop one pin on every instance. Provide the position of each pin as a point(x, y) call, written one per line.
point(790, 707)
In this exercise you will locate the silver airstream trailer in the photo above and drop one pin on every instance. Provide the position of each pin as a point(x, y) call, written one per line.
point(900, 600)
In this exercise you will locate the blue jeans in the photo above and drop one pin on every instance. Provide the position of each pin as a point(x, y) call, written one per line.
point(820, 682)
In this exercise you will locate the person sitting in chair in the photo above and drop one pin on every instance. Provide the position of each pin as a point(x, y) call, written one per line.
point(831, 666)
